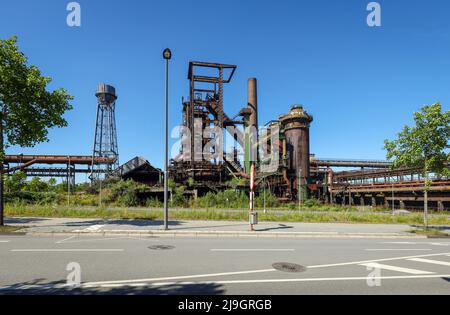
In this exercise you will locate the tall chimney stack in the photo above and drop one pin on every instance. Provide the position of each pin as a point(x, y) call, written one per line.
point(252, 104)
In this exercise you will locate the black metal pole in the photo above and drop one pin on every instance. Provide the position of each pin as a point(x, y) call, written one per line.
point(166, 148)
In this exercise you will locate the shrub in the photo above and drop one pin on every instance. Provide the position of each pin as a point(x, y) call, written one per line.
point(125, 193)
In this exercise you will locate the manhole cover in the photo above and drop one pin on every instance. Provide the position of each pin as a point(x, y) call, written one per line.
point(161, 247)
point(288, 267)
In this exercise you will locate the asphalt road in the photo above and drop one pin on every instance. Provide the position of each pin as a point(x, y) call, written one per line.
point(125, 265)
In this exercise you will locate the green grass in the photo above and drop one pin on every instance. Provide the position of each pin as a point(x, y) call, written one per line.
point(430, 232)
point(343, 216)
point(9, 229)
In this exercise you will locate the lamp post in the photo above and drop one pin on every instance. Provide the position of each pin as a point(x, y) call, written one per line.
point(167, 55)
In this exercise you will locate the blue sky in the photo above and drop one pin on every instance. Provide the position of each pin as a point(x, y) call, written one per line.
point(361, 84)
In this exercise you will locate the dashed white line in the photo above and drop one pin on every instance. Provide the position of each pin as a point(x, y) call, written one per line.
point(416, 243)
point(430, 261)
point(68, 240)
point(252, 250)
point(398, 269)
point(4, 241)
point(400, 243)
point(440, 244)
point(64, 250)
point(398, 249)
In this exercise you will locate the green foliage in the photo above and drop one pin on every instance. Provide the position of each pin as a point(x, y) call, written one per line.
point(37, 185)
point(425, 145)
point(27, 109)
point(242, 216)
point(125, 193)
point(271, 201)
point(153, 203)
point(171, 184)
point(178, 199)
point(15, 182)
point(235, 183)
point(228, 199)
point(312, 203)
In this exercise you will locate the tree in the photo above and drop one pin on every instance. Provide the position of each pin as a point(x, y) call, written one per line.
point(27, 109)
point(424, 146)
point(37, 185)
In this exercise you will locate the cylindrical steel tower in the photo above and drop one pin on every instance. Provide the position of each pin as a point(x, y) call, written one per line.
point(296, 127)
point(251, 136)
point(253, 101)
point(105, 137)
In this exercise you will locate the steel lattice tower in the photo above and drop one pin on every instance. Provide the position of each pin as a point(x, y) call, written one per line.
point(105, 137)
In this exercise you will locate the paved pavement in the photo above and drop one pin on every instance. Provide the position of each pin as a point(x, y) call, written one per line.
point(162, 265)
point(209, 228)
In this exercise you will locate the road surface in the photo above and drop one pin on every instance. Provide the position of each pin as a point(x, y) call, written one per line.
point(132, 265)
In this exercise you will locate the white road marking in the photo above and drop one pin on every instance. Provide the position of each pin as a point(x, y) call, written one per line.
point(440, 244)
point(95, 284)
point(93, 228)
point(92, 240)
point(400, 243)
point(298, 280)
point(376, 260)
point(398, 249)
point(4, 241)
point(252, 250)
point(430, 261)
point(64, 250)
point(399, 269)
point(66, 239)
point(417, 243)
point(179, 277)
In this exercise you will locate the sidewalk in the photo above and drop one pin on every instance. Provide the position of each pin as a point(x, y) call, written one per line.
point(54, 226)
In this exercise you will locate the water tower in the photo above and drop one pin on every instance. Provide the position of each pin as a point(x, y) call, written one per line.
point(105, 137)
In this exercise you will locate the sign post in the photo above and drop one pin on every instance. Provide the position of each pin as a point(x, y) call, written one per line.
point(253, 216)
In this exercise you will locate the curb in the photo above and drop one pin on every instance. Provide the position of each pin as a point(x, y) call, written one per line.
point(231, 234)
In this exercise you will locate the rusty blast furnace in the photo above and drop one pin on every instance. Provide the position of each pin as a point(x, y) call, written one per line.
point(296, 132)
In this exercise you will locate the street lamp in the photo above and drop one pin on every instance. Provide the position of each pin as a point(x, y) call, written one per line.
point(167, 55)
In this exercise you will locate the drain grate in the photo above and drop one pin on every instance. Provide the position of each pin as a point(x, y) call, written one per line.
point(288, 267)
point(161, 247)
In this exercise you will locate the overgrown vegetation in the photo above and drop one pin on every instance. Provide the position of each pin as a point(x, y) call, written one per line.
point(220, 215)
point(5, 229)
point(430, 232)
point(20, 192)
point(129, 200)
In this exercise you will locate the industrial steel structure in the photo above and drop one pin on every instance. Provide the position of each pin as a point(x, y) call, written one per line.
point(284, 165)
point(103, 161)
point(299, 174)
point(105, 137)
